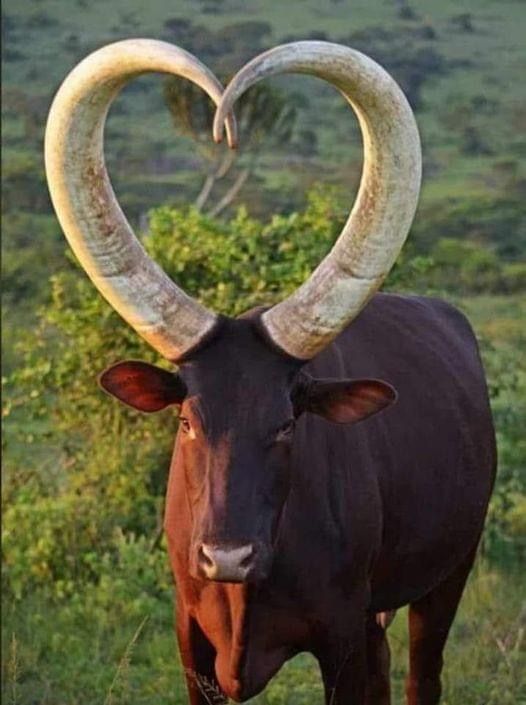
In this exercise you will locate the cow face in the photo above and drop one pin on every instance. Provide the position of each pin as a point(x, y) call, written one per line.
point(239, 401)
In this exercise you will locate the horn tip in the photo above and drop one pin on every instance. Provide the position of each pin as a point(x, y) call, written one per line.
point(217, 133)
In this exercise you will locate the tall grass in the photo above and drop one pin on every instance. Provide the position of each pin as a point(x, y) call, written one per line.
point(13, 672)
point(79, 652)
point(483, 660)
point(119, 687)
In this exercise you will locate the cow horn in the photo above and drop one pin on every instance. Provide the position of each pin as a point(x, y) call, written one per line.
point(86, 206)
point(304, 323)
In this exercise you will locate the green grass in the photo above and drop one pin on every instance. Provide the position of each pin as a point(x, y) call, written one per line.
point(487, 313)
point(94, 649)
point(112, 642)
point(488, 62)
point(484, 656)
point(151, 164)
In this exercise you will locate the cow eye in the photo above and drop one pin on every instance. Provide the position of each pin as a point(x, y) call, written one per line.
point(184, 424)
point(286, 431)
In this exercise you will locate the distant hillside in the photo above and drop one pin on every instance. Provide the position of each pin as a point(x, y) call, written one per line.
point(461, 65)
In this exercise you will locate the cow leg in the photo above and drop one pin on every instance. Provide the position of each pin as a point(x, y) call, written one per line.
point(378, 691)
point(197, 657)
point(343, 667)
point(429, 622)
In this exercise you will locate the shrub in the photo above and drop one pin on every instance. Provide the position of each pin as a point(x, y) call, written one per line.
point(94, 466)
point(96, 469)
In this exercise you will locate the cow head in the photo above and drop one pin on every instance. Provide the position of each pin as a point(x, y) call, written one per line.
point(240, 385)
point(239, 400)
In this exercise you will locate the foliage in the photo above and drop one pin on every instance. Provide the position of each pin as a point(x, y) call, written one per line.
point(500, 322)
point(463, 266)
point(228, 47)
point(96, 467)
point(73, 651)
point(470, 112)
point(484, 655)
point(84, 477)
point(264, 115)
point(106, 465)
point(497, 222)
point(236, 265)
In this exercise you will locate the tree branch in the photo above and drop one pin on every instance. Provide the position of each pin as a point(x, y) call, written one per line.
point(231, 193)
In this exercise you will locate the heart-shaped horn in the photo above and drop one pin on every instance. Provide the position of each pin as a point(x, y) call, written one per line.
point(304, 323)
point(95, 226)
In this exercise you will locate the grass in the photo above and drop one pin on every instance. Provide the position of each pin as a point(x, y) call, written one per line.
point(90, 650)
point(120, 682)
point(112, 643)
point(13, 671)
point(46, 39)
point(498, 32)
point(483, 658)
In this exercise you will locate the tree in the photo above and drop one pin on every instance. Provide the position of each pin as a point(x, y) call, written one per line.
point(266, 118)
point(463, 22)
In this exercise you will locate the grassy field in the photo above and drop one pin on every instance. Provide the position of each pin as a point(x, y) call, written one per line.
point(111, 642)
point(466, 85)
point(462, 68)
point(107, 646)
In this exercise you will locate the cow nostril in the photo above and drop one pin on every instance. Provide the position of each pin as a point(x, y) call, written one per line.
point(205, 559)
point(226, 562)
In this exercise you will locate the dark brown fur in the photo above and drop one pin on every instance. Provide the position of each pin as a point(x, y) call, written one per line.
point(349, 520)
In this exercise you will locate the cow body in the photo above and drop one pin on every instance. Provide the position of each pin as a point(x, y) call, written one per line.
point(379, 514)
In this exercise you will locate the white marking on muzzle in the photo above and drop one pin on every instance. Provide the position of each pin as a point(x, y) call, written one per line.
point(226, 564)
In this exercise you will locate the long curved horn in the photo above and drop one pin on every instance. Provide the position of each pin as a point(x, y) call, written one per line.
point(86, 206)
point(304, 323)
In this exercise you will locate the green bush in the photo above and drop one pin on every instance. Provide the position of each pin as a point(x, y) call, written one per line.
point(466, 267)
point(496, 220)
point(96, 467)
point(86, 583)
point(515, 277)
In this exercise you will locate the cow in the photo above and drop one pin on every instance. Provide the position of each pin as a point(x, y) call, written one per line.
point(335, 452)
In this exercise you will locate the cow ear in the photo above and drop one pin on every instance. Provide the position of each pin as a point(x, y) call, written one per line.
point(346, 401)
point(143, 386)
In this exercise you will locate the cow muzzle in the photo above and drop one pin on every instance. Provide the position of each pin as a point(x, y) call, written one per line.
point(228, 562)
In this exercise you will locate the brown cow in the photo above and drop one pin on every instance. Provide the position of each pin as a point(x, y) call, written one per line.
point(295, 522)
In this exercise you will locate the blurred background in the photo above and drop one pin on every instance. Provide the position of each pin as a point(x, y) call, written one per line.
point(87, 596)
